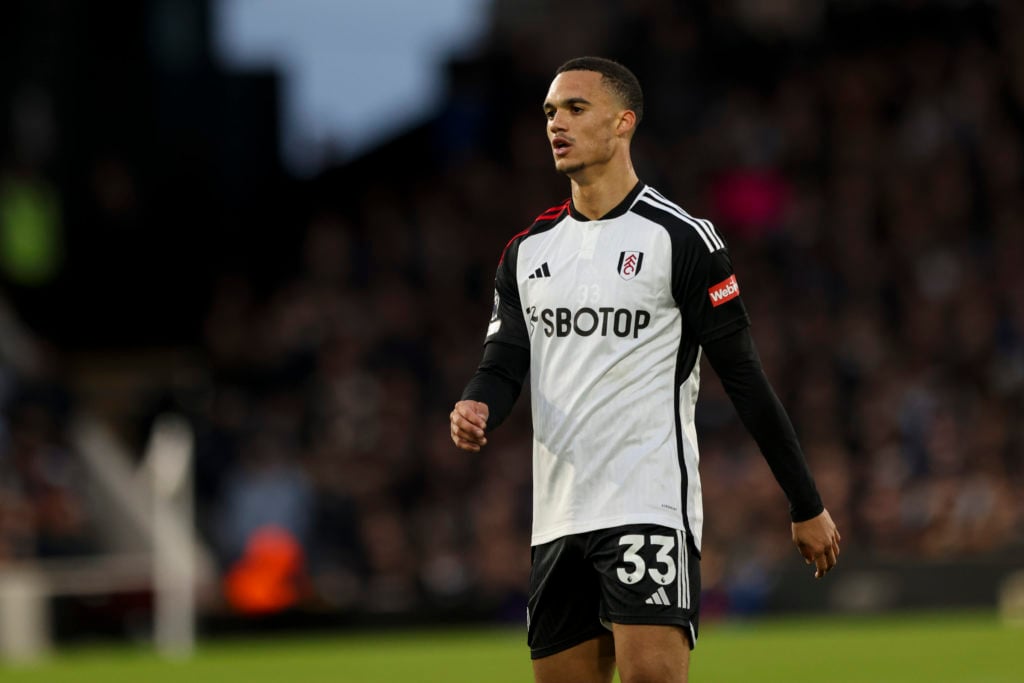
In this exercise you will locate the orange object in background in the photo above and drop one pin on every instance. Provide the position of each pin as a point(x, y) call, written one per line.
point(267, 578)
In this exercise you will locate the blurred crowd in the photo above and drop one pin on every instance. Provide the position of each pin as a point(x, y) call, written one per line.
point(865, 163)
point(43, 505)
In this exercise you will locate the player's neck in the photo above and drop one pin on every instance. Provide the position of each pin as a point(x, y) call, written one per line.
point(596, 195)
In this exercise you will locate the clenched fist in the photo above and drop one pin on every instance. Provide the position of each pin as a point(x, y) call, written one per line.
point(469, 425)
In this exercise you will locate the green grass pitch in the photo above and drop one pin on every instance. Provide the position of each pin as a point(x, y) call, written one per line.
point(937, 648)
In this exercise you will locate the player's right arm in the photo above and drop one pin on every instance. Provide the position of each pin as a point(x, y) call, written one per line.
point(489, 395)
point(498, 381)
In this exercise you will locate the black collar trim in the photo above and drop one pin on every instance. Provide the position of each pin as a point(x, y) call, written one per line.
point(619, 210)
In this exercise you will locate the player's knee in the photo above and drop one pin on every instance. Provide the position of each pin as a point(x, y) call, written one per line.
point(654, 675)
point(652, 654)
point(652, 670)
point(653, 664)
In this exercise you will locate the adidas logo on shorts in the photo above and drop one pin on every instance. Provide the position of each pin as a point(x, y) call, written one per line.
point(659, 598)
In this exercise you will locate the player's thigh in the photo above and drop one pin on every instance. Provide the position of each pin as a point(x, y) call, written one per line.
point(592, 661)
point(565, 598)
point(652, 653)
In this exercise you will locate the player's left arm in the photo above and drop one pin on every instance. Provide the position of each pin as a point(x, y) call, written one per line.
point(705, 285)
point(735, 360)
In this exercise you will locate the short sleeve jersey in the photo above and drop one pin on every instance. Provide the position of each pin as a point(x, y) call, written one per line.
point(614, 312)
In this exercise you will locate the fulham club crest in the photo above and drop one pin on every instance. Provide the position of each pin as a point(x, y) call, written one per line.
point(630, 263)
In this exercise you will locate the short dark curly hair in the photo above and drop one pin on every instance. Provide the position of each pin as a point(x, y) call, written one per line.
point(620, 80)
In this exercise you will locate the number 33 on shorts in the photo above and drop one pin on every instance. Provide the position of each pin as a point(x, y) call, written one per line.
point(664, 570)
point(654, 568)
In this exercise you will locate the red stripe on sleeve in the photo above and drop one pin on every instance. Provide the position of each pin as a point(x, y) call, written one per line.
point(553, 212)
point(509, 244)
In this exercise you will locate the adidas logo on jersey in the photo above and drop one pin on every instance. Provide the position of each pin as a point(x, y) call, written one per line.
point(726, 290)
point(541, 272)
point(660, 597)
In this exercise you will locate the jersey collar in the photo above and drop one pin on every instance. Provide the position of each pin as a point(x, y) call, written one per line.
point(619, 210)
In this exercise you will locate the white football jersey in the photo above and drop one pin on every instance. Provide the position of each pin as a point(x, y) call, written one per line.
point(614, 312)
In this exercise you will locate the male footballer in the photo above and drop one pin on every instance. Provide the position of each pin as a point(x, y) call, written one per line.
point(608, 301)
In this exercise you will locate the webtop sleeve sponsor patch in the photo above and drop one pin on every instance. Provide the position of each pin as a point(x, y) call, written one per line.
point(726, 290)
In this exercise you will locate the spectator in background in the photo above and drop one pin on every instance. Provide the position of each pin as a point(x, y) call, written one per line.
point(870, 190)
point(886, 240)
point(43, 501)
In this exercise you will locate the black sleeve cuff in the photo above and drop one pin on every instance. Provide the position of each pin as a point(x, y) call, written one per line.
point(498, 380)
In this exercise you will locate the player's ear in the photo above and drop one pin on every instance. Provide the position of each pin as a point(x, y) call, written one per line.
point(627, 123)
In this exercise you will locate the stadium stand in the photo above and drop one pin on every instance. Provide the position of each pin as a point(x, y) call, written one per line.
point(864, 160)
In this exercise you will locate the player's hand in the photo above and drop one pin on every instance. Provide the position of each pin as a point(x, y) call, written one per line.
point(469, 425)
point(817, 539)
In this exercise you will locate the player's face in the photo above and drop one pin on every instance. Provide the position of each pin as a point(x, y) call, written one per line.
point(583, 121)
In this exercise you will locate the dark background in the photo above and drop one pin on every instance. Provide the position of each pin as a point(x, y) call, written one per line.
point(863, 160)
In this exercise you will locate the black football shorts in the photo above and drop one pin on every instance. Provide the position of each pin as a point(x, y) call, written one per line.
point(638, 574)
